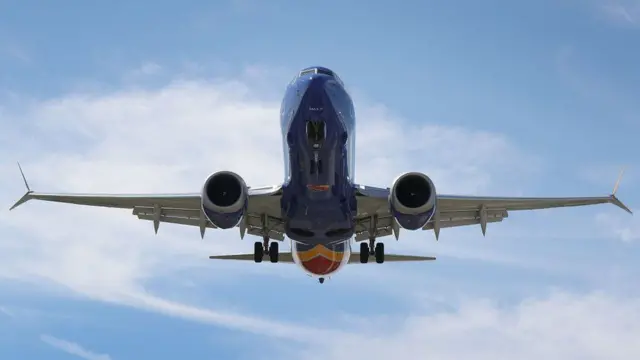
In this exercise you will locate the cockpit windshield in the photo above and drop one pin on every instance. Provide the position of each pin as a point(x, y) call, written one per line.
point(307, 71)
point(321, 70)
point(324, 71)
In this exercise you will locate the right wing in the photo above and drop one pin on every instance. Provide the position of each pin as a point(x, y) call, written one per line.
point(263, 216)
point(353, 259)
point(374, 216)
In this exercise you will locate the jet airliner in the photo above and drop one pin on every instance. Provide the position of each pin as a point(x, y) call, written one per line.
point(318, 205)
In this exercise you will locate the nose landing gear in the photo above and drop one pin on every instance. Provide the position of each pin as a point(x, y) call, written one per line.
point(321, 280)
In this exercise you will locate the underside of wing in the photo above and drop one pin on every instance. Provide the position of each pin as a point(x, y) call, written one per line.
point(375, 218)
point(262, 218)
point(453, 209)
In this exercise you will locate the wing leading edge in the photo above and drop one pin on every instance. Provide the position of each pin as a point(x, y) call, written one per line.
point(456, 210)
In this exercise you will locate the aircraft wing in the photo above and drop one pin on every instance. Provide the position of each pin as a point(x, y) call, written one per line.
point(353, 259)
point(263, 211)
point(454, 210)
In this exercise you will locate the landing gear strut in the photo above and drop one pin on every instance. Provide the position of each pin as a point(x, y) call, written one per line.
point(260, 248)
point(371, 249)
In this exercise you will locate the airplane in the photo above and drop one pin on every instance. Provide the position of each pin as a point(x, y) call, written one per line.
point(319, 207)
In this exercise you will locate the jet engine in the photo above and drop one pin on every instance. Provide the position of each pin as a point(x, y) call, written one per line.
point(413, 200)
point(224, 199)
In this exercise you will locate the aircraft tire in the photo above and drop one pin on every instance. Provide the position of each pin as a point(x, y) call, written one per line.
point(379, 253)
point(258, 252)
point(364, 253)
point(273, 252)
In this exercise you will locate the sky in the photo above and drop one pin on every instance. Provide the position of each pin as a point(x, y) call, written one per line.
point(526, 98)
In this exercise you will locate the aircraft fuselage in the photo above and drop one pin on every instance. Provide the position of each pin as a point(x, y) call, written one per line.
point(318, 202)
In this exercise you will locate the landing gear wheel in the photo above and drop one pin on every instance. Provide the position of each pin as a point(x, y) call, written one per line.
point(258, 252)
point(273, 252)
point(364, 253)
point(379, 253)
point(321, 280)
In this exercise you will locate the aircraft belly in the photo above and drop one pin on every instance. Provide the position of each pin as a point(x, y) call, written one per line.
point(318, 197)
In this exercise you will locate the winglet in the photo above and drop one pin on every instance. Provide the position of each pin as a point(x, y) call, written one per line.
point(614, 200)
point(27, 196)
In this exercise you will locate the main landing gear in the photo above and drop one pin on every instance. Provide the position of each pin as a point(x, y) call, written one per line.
point(260, 248)
point(321, 280)
point(371, 249)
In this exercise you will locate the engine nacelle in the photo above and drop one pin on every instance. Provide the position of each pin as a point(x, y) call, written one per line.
point(224, 199)
point(413, 200)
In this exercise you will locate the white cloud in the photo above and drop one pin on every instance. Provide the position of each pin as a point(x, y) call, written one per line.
point(73, 348)
point(562, 326)
point(168, 139)
point(624, 12)
point(627, 230)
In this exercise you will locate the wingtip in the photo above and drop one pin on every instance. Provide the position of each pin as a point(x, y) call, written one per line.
point(617, 184)
point(24, 178)
point(615, 201)
point(26, 197)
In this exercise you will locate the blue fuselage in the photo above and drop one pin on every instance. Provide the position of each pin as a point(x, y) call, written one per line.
point(318, 130)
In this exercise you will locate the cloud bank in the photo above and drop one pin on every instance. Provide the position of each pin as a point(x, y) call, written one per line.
point(170, 138)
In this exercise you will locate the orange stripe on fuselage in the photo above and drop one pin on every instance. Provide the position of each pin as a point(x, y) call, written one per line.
point(320, 260)
point(320, 250)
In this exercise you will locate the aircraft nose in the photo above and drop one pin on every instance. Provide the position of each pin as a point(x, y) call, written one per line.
point(315, 86)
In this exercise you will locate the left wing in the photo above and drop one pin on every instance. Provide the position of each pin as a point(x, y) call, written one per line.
point(453, 210)
point(263, 214)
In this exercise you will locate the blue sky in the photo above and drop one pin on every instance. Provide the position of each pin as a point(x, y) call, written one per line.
point(500, 98)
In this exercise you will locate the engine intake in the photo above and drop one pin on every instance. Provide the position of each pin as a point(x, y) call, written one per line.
point(224, 199)
point(413, 200)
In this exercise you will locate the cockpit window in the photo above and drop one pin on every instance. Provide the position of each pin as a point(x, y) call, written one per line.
point(308, 71)
point(323, 71)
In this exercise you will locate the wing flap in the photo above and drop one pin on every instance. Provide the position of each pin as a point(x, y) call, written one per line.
point(460, 222)
point(169, 212)
point(447, 220)
point(274, 233)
